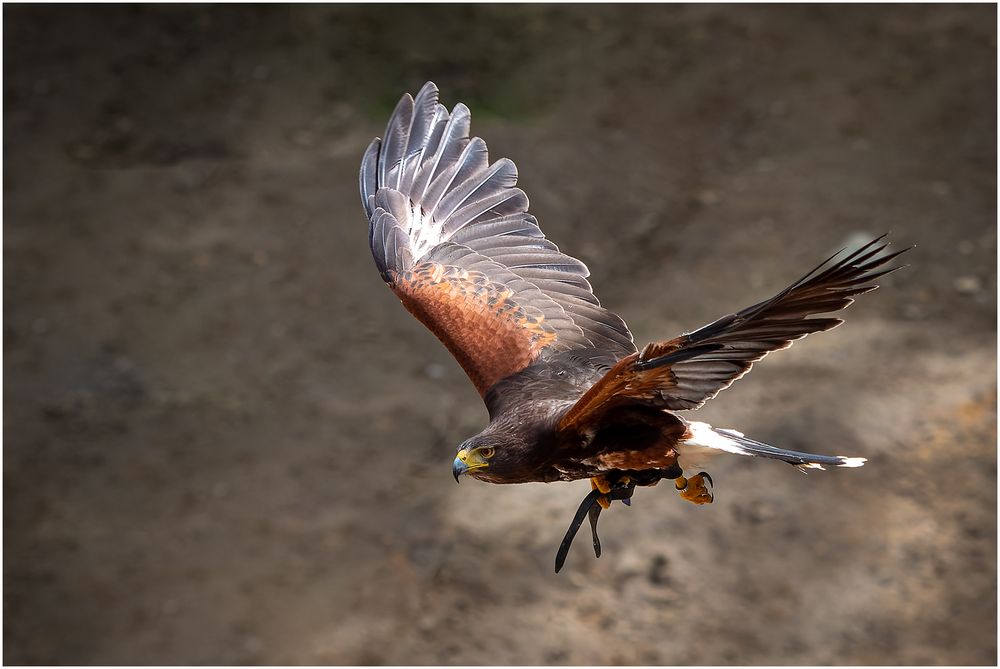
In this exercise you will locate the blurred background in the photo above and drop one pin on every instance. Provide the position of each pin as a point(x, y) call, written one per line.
point(226, 442)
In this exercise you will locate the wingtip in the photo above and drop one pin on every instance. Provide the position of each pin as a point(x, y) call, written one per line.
point(405, 100)
point(427, 96)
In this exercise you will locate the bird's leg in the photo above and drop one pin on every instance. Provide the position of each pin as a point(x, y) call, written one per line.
point(697, 489)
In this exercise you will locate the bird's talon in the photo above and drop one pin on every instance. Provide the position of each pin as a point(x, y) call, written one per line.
point(600, 483)
point(697, 489)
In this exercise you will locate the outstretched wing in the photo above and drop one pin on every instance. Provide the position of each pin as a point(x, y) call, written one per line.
point(451, 236)
point(687, 371)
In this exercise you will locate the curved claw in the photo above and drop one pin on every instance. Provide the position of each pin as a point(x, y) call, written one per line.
point(698, 489)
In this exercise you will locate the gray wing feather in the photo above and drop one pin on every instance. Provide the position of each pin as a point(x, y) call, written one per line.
point(389, 243)
point(500, 177)
point(474, 157)
point(427, 184)
point(421, 124)
point(514, 225)
point(395, 140)
point(443, 149)
point(369, 180)
point(500, 204)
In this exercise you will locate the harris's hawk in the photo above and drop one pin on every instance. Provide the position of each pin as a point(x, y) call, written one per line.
point(568, 393)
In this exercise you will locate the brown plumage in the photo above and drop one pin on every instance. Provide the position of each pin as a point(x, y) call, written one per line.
point(568, 393)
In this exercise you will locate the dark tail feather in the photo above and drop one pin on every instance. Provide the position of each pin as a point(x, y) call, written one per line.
point(802, 461)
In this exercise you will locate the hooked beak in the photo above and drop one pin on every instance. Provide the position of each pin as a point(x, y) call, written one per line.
point(466, 461)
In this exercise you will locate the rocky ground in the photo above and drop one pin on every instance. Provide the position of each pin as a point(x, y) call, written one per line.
point(225, 442)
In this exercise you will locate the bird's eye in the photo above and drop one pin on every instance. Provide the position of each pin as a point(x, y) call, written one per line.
point(487, 452)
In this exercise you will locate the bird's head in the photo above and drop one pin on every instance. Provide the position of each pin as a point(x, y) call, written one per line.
point(483, 457)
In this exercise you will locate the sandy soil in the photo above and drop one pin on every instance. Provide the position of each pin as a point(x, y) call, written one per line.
point(225, 442)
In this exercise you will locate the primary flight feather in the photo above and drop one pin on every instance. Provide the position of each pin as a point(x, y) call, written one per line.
point(568, 393)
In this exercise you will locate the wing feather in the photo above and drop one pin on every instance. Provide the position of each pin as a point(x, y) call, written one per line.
point(482, 187)
point(394, 143)
point(451, 142)
point(369, 176)
point(492, 321)
point(474, 157)
point(498, 230)
point(425, 109)
point(438, 208)
point(498, 205)
point(687, 371)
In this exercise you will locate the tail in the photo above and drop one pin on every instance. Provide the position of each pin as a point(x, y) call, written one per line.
point(704, 436)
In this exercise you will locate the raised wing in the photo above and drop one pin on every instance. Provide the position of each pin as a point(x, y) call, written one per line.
point(687, 371)
point(451, 236)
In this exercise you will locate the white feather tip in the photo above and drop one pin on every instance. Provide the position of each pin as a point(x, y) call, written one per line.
point(852, 462)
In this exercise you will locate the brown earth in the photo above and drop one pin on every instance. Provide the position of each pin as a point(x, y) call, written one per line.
point(225, 442)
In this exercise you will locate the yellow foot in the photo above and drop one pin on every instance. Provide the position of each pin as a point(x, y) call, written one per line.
point(697, 489)
point(601, 483)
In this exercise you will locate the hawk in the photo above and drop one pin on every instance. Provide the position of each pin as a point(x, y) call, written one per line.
point(569, 395)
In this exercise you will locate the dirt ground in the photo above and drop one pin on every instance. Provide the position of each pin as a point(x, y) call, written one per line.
point(225, 441)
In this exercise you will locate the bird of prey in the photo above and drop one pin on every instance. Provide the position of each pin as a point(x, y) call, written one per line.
point(569, 395)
